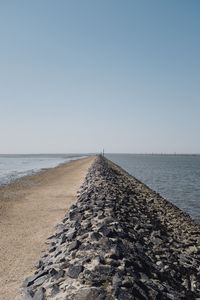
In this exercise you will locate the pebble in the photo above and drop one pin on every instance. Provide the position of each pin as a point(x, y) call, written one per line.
point(74, 270)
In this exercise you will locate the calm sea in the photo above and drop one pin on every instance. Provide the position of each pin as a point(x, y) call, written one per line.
point(175, 177)
point(16, 166)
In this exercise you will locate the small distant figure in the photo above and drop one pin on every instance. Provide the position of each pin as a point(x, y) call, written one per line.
point(102, 153)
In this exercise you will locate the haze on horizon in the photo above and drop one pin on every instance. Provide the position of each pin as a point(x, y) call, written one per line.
point(77, 76)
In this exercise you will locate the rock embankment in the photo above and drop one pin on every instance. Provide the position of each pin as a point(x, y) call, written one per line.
point(120, 241)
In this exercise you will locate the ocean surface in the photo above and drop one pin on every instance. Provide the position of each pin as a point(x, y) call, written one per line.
point(13, 167)
point(175, 177)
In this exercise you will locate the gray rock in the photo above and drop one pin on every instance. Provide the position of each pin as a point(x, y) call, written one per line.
point(105, 230)
point(55, 290)
point(39, 281)
point(124, 294)
point(95, 236)
point(74, 245)
point(39, 295)
point(90, 294)
point(74, 271)
point(30, 280)
point(116, 281)
point(59, 274)
point(27, 296)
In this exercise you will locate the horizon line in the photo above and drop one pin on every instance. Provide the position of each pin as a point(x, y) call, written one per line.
point(105, 153)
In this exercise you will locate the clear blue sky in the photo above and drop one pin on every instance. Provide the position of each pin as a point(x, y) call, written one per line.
point(77, 76)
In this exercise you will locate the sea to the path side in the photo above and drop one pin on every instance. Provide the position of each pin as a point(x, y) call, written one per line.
point(29, 209)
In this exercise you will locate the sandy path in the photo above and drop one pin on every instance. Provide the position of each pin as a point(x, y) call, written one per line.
point(29, 209)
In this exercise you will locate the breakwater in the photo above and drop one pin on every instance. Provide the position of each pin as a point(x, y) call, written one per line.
point(121, 240)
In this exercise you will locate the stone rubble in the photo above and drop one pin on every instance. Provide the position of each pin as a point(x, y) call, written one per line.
point(121, 240)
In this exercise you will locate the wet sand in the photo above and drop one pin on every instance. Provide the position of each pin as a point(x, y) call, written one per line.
point(29, 210)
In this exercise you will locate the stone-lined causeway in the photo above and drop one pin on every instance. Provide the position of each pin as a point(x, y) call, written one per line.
point(121, 240)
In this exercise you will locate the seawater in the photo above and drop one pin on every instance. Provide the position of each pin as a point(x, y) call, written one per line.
point(13, 167)
point(175, 177)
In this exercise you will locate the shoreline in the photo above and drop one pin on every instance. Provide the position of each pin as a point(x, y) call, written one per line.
point(29, 209)
point(28, 180)
point(32, 172)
